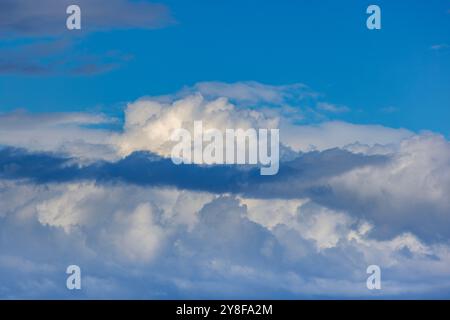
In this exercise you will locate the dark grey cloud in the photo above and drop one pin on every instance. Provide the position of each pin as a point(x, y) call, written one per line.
point(57, 57)
point(63, 53)
point(303, 176)
point(226, 254)
point(48, 17)
point(310, 175)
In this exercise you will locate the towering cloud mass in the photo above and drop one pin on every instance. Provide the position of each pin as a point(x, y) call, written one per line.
point(346, 196)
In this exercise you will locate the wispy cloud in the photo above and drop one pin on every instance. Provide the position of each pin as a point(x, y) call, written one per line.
point(328, 107)
point(56, 57)
point(251, 92)
point(47, 17)
point(440, 46)
point(389, 109)
point(60, 54)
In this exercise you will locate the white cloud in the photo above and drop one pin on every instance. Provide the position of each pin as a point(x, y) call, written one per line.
point(136, 235)
point(324, 226)
point(150, 123)
point(65, 133)
point(251, 92)
point(332, 108)
point(337, 134)
point(164, 242)
point(409, 192)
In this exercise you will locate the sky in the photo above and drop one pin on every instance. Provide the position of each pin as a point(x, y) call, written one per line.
point(85, 170)
point(383, 77)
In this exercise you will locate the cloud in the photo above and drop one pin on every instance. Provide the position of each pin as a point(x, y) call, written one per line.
point(51, 49)
point(63, 133)
point(389, 110)
point(133, 241)
point(306, 172)
point(328, 107)
point(440, 46)
point(375, 187)
point(57, 57)
point(149, 122)
point(251, 92)
point(48, 18)
point(407, 193)
point(339, 134)
point(346, 196)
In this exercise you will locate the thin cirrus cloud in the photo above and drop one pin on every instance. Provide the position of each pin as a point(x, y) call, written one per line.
point(328, 107)
point(440, 46)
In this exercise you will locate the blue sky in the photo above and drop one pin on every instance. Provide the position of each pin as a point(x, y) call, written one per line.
point(86, 119)
point(391, 76)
